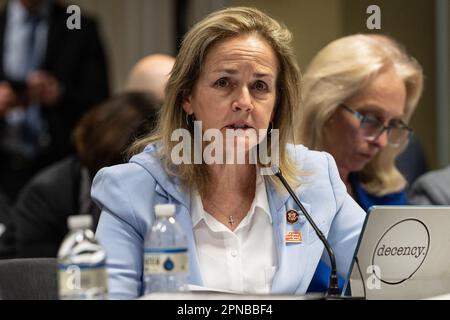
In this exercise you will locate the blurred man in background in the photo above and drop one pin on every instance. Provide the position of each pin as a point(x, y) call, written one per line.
point(49, 76)
point(151, 74)
point(38, 221)
point(39, 218)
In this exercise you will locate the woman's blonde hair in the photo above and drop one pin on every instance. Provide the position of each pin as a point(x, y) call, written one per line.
point(216, 27)
point(341, 70)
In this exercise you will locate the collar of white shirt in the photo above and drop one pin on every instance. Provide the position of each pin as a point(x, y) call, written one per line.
point(260, 201)
point(243, 260)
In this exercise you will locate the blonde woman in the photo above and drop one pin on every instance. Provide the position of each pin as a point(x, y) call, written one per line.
point(359, 93)
point(236, 71)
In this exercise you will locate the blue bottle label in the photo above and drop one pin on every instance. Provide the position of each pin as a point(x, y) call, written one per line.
point(160, 261)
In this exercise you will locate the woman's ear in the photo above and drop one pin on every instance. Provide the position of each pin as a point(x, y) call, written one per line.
point(331, 120)
point(187, 105)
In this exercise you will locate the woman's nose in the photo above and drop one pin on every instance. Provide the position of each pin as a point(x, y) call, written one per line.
point(243, 101)
point(382, 140)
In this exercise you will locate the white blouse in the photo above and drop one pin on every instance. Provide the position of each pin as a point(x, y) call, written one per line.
point(243, 260)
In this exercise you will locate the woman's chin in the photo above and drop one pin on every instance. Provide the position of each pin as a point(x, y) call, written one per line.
point(359, 166)
point(239, 149)
point(241, 143)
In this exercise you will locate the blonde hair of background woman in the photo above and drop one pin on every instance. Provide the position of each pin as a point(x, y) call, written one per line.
point(341, 70)
point(216, 27)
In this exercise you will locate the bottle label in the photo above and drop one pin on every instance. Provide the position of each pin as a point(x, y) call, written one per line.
point(74, 278)
point(165, 260)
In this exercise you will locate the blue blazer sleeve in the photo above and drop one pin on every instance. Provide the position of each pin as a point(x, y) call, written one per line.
point(120, 231)
point(347, 223)
point(343, 234)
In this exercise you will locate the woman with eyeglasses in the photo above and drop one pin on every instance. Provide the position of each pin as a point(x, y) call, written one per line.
point(359, 93)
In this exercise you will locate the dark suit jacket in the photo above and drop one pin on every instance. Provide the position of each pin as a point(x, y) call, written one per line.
point(4, 209)
point(40, 214)
point(38, 221)
point(76, 58)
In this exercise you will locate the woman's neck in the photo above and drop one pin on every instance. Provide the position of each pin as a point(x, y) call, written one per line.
point(344, 174)
point(230, 192)
point(345, 177)
point(232, 178)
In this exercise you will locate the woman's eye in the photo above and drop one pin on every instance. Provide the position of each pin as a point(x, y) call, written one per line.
point(397, 123)
point(260, 86)
point(222, 83)
point(372, 120)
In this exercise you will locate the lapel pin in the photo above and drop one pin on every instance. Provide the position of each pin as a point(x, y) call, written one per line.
point(292, 216)
point(293, 237)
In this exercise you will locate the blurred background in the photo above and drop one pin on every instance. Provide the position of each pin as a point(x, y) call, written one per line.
point(133, 29)
point(51, 77)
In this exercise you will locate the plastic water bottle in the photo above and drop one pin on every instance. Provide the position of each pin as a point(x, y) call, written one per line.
point(165, 253)
point(81, 263)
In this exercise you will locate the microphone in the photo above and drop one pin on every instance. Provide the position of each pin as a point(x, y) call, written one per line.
point(333, 286)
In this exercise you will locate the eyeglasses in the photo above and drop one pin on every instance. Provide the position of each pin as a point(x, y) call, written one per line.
point(371, 128)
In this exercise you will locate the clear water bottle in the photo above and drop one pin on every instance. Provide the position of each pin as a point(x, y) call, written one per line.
point(165, 253)
point(81, 263)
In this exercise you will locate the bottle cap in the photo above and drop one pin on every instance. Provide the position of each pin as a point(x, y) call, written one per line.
point(79, 222)
point(165, 210)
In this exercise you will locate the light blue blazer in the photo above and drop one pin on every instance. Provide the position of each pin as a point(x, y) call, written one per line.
point(127, 195)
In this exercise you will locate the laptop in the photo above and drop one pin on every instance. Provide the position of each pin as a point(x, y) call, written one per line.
point(403, 253)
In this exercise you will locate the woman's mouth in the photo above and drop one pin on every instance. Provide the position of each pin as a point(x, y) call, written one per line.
point(238, 126)
point(367, 156)
point(242, 125)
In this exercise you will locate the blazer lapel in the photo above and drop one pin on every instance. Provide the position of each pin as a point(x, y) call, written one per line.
point(292, 258)
point(276, 204)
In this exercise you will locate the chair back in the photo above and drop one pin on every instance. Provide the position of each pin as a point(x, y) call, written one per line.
point(28, 279)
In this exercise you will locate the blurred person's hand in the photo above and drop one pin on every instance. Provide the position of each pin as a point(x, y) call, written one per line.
point(8, 98)
point(43, 88)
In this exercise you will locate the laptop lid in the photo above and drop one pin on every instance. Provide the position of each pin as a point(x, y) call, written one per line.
point(403, 253)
